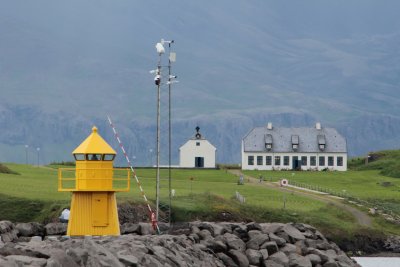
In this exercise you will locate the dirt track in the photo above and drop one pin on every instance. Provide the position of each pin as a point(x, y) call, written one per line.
point(362, 218)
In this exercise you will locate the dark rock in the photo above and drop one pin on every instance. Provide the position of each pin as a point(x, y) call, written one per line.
point(129, 228)
point(296, 260)
point(204, 234)
point(234, 242)
point(240, 231)
point(264, 254)
point(290, 248)
point(79, 255)
point(273, 228)
point(279, 241)
point(257, 241)
point(180, 228)
point(254, 256)
point(216, 246)
point(22, 260)
point(253, 233)
point(59, 258)
point(324, 257)
point(330, 264)
point(271, 246)
point(146, 229)
point(239, 258)
point(227, 260)
point(214, 228)
point(253, 226)
point(56, 228)
point(315, 259)
point(293, 233)
point(271, 263)
point(7, 232)
point(30, 229)
point(280, 257)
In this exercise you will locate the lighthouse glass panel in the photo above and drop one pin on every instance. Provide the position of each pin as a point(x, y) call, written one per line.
point(109, 157)
point(94, 157)
point(79, 157)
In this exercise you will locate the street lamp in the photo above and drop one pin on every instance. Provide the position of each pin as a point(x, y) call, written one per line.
point(26, 154)
point(38, 150)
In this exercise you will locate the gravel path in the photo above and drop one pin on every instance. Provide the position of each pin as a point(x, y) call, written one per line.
point(362, 218)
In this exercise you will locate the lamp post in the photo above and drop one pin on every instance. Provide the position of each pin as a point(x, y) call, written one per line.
point(38, 150)
point(26, 154)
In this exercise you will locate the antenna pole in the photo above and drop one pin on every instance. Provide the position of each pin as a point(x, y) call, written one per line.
point(169, 131)
point(158, 141)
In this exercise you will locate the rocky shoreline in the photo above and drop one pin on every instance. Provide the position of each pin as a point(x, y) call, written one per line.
point(184, 244)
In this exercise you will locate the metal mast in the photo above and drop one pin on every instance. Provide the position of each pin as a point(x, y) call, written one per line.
point(158, 83)
point(166, 206)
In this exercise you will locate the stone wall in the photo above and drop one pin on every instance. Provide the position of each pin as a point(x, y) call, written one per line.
point(186, 244)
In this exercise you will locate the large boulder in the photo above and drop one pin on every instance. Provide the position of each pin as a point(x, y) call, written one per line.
point(30, 229)
point(234, 242)
point(129, 228)
point(8, 233)
point(239, 258)
point(56, 228)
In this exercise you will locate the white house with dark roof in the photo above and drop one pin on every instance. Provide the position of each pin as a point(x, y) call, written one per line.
point(197, 152)
point(272, 148)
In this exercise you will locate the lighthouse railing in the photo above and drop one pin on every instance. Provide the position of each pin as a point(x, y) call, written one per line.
point(94, 179)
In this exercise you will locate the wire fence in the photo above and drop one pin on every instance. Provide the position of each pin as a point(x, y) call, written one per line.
point(342, 194)
point(380, 208)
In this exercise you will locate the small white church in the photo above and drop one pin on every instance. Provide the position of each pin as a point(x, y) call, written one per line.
point(197, 152)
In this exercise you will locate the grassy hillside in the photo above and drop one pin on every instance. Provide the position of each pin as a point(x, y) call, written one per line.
point(387, 162)
point(5, 169)
point(202, 194)
point(208, 195)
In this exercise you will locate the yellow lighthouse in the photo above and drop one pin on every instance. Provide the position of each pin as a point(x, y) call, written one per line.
point(93, 187)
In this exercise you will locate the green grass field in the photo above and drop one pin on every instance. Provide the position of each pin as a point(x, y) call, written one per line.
point(361, 184)
point(33, 196)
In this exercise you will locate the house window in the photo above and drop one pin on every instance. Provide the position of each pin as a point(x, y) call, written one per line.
point(259, 160)
point(295, 146)
point(268, 146)
point(268, 160)
point(277, 160)
point(339, 161)
point(321, 161)
point(286, 160)
point(322, 147)
point(250, 160)
point(313, 161)
point(197, 143)
point(304, 160)
point(330, 161)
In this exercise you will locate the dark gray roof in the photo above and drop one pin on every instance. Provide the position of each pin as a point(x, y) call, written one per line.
point(309, 140)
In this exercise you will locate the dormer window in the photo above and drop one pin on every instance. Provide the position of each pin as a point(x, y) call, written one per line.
point(268, 141)
point(295, 142)
point(321, 142)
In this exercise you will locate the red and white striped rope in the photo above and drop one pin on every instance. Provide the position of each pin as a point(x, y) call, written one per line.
point(155, 224)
